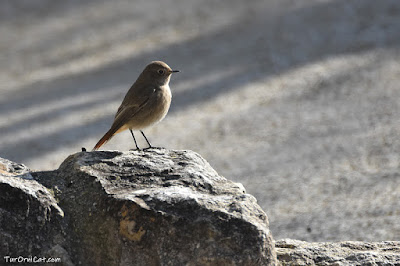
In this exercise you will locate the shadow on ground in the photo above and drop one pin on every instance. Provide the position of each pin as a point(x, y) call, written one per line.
point(259, 45)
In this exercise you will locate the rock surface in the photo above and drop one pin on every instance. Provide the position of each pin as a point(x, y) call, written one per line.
point(153, 207)
point(295, 252)
point(30, 218)
point(159, 207)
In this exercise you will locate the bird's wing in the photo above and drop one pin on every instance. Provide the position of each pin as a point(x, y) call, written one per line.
point(124, 114)
point(135, 97)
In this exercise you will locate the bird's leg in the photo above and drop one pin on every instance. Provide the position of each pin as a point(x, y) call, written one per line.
point(137, 147)
point(148, 142)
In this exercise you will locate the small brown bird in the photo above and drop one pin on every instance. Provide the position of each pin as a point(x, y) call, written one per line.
point(146, 103)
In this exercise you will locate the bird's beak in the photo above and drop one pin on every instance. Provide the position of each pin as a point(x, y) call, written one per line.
point(175, 71)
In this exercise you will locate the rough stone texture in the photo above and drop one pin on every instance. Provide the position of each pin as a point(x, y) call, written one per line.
point(154, 207)
point(295, 252)
point(30, 218)
point(159, 207)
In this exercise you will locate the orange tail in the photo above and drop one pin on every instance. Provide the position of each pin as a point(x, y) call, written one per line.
point(115, 128)
point(118, 125)
point(104, 139)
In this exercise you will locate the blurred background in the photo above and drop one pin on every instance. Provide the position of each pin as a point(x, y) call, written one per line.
point(296, 99)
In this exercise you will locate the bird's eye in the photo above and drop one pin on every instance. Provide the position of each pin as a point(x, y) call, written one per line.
point(160, 71)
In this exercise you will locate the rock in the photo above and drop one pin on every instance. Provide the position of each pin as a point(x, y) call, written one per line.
point(295, 252)
point(153, 207)
point(30, 218)
point(159, 207)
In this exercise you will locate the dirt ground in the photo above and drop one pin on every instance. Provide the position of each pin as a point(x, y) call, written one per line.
point(297, 100)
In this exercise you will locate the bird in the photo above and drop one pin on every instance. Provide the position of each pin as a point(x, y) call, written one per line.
point(146, 103)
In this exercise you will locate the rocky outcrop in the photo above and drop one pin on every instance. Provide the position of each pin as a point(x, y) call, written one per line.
point(30, 218)
point(295, 252)
point(153, 207)
point(159, 207)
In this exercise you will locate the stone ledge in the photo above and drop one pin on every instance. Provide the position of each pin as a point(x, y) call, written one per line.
point(149, 208)
point(296, 252)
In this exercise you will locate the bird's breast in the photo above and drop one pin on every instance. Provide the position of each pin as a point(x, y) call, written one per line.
point(163, 98)
point(155, 110)
point(163, 101)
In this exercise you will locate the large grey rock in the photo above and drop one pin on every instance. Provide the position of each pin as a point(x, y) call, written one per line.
point(295, 252)
point(159, 207)
point(30, 218)
point(154, 207)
